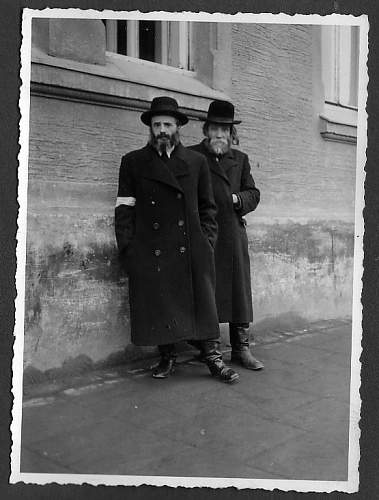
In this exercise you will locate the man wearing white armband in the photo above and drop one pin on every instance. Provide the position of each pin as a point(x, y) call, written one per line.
point(166, 231)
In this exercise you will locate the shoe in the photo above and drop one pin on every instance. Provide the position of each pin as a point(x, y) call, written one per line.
point(241, 354)
point(247, 360)
point(165, 367)
point(217, 367)
point(220, 370)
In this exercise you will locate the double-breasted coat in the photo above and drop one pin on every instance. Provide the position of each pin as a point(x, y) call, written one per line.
point(231, 174)
point(166, 242)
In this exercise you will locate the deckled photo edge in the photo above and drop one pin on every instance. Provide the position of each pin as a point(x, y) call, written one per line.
point(353, 479)
point(18, 346)
point(355, 401)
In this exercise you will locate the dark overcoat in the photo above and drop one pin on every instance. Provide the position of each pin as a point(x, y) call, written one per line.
point(231, 174)
point(166, 242)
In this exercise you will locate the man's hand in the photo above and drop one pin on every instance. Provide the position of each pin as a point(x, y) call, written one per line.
point(237, 203)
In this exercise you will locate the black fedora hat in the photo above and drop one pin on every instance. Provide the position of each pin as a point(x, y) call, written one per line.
point(221, 112)
point(163, 106)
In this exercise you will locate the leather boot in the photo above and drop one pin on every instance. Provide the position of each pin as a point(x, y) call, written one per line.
point(241, 354)
point(166, 365)
point(217, 367)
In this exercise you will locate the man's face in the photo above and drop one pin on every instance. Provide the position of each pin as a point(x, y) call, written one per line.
point(164, 132)
point(219, 139)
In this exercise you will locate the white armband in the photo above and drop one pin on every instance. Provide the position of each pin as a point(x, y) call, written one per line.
point(125, 200)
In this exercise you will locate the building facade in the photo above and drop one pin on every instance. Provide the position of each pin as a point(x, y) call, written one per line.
point(294, 88)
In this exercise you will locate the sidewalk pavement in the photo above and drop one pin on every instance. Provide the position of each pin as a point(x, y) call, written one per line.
point(289, 421)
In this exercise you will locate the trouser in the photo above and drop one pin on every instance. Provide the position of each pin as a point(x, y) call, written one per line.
point(233, 335)
point(211, 354)
point(239, 325)
point(210, 349)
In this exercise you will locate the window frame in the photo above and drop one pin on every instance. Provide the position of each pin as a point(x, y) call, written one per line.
point(340, 64)
point(339, 77)
point(173, 43)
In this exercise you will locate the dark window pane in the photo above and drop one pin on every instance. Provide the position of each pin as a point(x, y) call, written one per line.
point(121, 37)
point(147, 40)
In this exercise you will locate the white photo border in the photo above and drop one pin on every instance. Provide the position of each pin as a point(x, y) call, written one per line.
point(352, 483)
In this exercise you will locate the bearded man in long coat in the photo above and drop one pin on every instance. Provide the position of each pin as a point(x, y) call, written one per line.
point(166, 231)
point(236, 195)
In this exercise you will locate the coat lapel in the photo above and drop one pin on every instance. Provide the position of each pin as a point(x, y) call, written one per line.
point(227, 162)
point(181, 165)
point(154, 168)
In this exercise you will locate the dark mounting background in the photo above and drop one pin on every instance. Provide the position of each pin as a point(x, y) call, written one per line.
point(10, 41)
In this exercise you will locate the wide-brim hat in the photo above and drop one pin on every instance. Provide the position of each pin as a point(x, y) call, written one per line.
point(221, 112)
point(163, 106)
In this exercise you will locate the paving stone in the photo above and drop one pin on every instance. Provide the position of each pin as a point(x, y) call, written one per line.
point(327, 416)
point(300, 357)
point(34, 462)
point(310, 456)
point(289, 420)
point(228, 433)
point(277, 373)
point(330, 342)
point(328, 383)
point(191, 461)
point(99, 441)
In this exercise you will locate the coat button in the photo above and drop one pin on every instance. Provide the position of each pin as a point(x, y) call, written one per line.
point(157, 252)
point(156, 225)
point(182, 249)
point(181, 223)
point(179, 196)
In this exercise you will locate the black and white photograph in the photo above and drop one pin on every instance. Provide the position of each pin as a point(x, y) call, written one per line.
point(189, 249)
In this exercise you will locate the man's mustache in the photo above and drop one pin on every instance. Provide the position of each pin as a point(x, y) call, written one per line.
point(163, 136)
point(218, 141)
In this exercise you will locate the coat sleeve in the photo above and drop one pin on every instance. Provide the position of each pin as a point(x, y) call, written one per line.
point(125, 208)
point(206, 204)
point(249, 194)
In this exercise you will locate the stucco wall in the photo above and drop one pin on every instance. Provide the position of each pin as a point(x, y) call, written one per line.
point(301, 236)
point(76, 299)
point(301, 175)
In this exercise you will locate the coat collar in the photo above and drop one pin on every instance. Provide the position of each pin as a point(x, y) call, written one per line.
point(152, 167)
point(221, 167)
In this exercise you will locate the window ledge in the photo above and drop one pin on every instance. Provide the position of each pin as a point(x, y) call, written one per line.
point(339, 123)
point(121, 79)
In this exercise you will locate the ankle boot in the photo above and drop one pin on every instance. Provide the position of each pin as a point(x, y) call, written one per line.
point(241, 354)
point(213, 359)
point(166, 365)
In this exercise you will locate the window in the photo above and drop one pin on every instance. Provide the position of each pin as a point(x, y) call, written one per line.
point(340, 51)
point(164, 42)
point(339, 70)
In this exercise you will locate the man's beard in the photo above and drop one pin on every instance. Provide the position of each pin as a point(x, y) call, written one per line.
point(162, 142)
point(218, 146)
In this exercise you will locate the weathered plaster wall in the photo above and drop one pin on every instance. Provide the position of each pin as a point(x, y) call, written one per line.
point(303, 269)
point(76, 298)
point(273, 87)
point(301, 236)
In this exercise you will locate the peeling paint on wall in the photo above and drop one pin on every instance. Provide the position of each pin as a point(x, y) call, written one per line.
point(304, 268)
point(77, 295)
